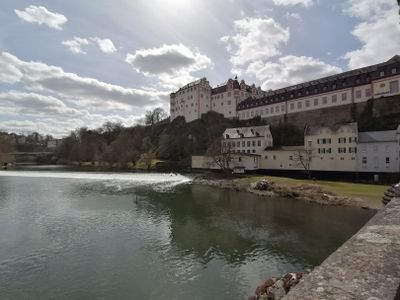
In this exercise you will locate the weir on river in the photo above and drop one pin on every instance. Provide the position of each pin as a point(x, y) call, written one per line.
point(70, 235)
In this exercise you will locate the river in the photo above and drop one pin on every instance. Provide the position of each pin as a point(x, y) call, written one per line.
point(101, 235)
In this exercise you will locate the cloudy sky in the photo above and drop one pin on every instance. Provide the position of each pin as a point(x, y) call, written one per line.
point(66, 64)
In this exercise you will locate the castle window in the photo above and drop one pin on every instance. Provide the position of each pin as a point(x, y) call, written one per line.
point(368, 93)
point(315, 102)
point(358, 94)
point(344, 97)
point(382, 73)
point(394, 70)
point(291, 106)
point(324, 100)
point(307, 103)
point(334, 98)
point(394, 87)
point(299, 105)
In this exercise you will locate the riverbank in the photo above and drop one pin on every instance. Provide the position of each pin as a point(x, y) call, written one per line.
point(367, 196)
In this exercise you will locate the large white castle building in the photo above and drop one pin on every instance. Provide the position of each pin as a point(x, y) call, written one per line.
point(197, 98)
point(239, 100)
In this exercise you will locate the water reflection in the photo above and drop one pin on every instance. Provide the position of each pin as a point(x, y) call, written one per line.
point(82, 236)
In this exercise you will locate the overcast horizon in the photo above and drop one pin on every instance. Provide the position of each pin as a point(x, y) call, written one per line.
point(67, 65)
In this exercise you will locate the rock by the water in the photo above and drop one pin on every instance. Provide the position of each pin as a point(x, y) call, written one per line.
point(392, 192)
point(276, 288)
point(262, 185)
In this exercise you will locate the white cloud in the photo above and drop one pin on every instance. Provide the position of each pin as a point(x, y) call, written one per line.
point(41, 16)
point(290, 70)
point(255, 47)
point(379, 31)
point(22, 103)
point(172, 64)
point(306, 3)
point(105, 45)
point(366, 9)
point(77, 45)
point(9, 73)
point(254, 39)
point(292, 15)
point(40, 77)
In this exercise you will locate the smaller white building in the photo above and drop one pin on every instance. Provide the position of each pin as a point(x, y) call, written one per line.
point(378, 151)
point(250, 140)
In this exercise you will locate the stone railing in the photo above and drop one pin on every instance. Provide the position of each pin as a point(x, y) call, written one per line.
point(366, 267)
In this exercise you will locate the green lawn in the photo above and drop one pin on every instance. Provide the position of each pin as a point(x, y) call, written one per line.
point(370, 192)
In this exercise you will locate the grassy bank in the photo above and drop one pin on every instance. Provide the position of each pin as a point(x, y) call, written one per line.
point(369, 192)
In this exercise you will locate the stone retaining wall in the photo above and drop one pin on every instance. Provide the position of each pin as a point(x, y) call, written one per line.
point(366, 267)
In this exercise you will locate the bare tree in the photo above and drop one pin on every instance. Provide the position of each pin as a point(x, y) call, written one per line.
point(303, 158)
point(221, 154)
point(155, 116)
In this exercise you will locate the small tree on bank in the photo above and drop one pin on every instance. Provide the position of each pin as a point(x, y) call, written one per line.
point(221, 155)
point(303, 159)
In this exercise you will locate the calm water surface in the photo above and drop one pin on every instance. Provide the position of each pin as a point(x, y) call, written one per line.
point(87, 235)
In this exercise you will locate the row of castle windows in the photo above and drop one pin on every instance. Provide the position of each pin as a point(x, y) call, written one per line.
point(243, 143)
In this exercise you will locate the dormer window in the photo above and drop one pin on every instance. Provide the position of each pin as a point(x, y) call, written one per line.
point(227, 136)
point(382, 73)
point(394, 70)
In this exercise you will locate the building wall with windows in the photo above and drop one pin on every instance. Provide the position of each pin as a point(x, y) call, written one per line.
point(197, 98)
point(250, 140)
point(379, 151)
point(334, 148)
point(354, 86)
point(244, 161)
point(286, 158)
point(191, 100)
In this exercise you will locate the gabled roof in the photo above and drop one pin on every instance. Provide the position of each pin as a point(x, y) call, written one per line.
point(246, 132)
point(377, 136)
point(314, 130)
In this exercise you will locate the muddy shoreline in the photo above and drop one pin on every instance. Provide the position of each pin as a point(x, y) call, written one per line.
point(268, 188)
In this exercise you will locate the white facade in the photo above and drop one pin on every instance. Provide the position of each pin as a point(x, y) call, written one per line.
point(356, 86)
point(379, 151)
point(191, 101)
point(333, 148)
point(240, 162)
point(197, 98)
point(250, 140)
